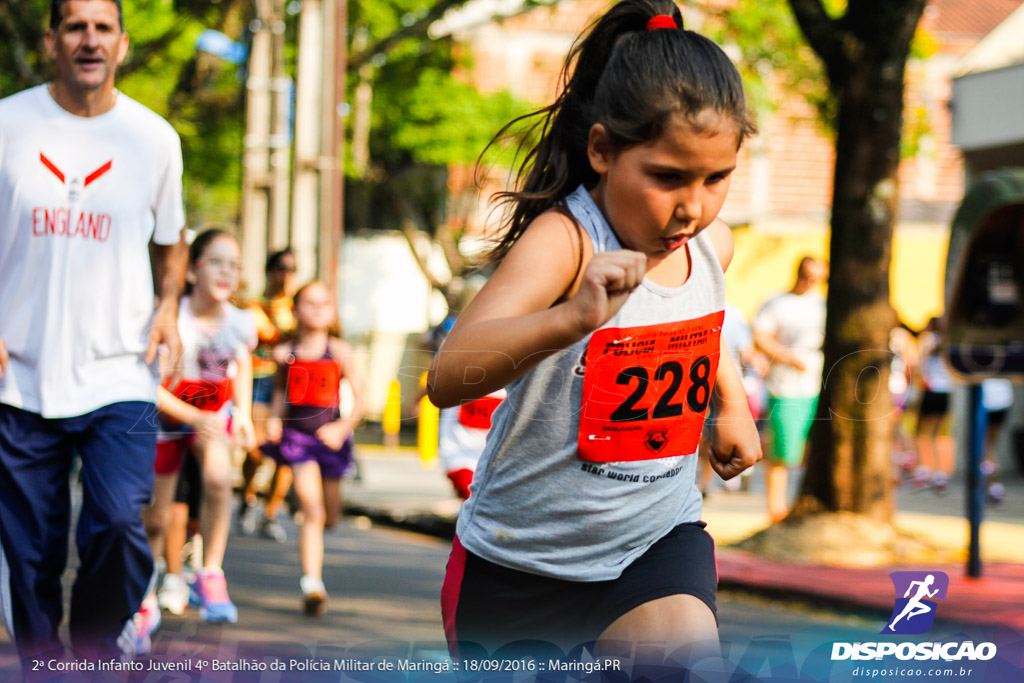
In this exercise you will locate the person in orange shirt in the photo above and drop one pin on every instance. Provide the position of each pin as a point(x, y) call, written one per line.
point(275, 323)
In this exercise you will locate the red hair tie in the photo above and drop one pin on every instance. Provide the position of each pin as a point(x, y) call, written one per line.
point(661, 21)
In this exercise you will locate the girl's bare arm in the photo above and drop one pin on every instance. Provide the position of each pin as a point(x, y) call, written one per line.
point(342, 353)
point(521, 316)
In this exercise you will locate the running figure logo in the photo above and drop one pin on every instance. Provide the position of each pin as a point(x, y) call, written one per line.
point(915, 612)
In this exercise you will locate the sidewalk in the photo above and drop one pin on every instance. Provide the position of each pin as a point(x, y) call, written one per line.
point(397, 489)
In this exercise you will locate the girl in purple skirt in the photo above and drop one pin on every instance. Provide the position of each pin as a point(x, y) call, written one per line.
point(307, 431)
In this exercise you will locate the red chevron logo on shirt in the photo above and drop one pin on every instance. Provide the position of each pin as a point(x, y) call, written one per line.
point(97, 173)
point(89, 179)
point(53, 167)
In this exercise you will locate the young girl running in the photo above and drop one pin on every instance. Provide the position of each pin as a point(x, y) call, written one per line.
point(603, 320)
point(206, 411)
point(308, 430)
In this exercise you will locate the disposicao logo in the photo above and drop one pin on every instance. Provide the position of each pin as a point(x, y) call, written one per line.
point(917, 594)
point(914, 612)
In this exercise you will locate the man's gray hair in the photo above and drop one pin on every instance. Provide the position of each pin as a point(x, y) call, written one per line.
point(56, 15)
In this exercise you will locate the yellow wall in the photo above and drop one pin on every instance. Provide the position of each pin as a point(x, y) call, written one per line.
point(917, 277)
point(764, 264)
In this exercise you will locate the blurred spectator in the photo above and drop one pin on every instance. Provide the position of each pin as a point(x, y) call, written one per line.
point(790, 330)
point(934, 446)
point(997, 399)
point(903, 346)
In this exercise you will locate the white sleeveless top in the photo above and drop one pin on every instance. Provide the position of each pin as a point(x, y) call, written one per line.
point(536, 505)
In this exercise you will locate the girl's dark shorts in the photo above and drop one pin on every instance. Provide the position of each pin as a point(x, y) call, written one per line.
point(486, 605)
point(190, 485)
point(934, 403)
point(263, 389)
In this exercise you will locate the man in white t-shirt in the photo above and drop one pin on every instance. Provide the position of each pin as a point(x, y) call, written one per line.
point(790, 330)
point(91, 222)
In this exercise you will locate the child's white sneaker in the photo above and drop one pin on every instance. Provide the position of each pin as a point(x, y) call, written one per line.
point(314, 596)
point(173, 594)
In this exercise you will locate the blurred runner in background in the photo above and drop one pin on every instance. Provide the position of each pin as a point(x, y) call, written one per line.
point(206, 412)
point(275, 323)
point(307, 431)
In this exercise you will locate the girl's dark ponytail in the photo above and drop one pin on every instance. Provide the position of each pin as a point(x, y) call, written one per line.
point(630, 80)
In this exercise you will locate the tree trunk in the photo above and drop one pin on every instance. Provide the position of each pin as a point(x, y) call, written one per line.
point(848, 465)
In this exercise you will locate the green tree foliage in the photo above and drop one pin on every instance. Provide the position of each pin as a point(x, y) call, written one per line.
point(442, 120)
point(199, 94)
point(772, 54)
point(23, 61)
point(424, 117)
point(775, 59)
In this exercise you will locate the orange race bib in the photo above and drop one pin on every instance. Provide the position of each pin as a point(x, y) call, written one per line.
point(314, 383)
point(477, 414)
point(646, 389)
point(204, 394)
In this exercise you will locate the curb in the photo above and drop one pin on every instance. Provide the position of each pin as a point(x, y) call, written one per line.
point(425, 523)
point(796, 594)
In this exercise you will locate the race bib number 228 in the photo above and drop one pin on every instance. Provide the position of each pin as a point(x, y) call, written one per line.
point(646, 389)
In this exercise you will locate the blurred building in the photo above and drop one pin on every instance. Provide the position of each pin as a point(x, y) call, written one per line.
point(988, 128)
point(988, 98)
point(781, 190)
point(386, 307)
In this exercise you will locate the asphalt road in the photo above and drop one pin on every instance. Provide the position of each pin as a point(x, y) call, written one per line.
point(384, 586)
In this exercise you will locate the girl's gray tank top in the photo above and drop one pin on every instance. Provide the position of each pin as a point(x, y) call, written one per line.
point(536, 505)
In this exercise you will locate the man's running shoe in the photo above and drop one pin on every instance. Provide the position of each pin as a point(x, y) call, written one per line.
point(210, 592)
point(173, 594)
point(272, 529)
point(147, 621)
point(314, 596)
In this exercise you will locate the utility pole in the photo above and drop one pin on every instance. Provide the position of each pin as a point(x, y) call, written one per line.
point(318, 180)
point(332, 147)
point(361, 108)
point(306, 207)
point(256, 179)
point(280, 136)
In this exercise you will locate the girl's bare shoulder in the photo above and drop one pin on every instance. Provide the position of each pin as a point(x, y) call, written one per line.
point(721, 237)
point(556, 232)
point(339, 348)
